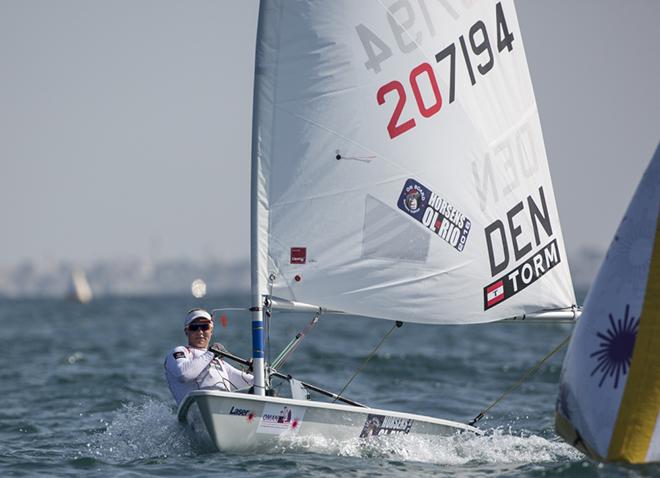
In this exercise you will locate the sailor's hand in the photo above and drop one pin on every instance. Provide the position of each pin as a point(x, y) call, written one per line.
point(249, 369)
point(217, 347)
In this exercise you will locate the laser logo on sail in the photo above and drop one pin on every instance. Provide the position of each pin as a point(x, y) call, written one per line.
point(615, 352)
point(435, 213)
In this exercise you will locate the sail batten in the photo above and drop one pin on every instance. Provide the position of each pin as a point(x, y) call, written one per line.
point(402, 171)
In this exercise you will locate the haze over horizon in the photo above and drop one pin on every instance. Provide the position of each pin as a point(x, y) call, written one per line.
point(126, 126)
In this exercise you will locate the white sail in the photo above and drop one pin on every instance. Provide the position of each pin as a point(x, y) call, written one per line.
point(609, 400)
point(399, 165)
point(79, 289)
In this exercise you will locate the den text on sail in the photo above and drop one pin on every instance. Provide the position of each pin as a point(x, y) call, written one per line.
point(506, 246)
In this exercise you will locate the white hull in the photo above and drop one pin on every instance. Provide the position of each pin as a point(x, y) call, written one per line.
point(240, 422)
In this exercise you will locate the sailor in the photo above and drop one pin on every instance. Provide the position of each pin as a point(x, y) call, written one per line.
point(195, 366)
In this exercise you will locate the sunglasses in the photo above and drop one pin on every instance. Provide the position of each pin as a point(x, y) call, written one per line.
point(196, 327)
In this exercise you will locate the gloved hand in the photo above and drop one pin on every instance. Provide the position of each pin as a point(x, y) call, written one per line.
point(217, 347)
point(249, 369)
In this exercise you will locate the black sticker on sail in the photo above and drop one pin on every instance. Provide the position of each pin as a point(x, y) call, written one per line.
point(435, 213)
point(517, 279)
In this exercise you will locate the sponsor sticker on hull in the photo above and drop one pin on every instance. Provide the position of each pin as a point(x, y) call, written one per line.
point(242, 412)
point(376, 425)
point(277, 419)
point(435, 213)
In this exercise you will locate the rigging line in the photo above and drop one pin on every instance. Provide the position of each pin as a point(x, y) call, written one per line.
point(525, 376)
point(267, 314)
point(293, 344)
point(267, 322)
point(396, 325)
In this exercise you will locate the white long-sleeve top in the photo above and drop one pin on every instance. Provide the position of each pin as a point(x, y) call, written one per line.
point(188, 368)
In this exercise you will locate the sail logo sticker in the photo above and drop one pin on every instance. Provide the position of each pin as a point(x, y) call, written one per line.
point(522, 276)
point(435, 213)
point(495, 293)
point(376, 425)
point(615, 350)
point(277, 419)
point(298, 255)
point(413, 198)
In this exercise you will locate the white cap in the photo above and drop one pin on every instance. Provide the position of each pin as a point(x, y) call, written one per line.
point(196, 314)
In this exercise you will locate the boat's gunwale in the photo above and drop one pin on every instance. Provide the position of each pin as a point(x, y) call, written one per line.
point(192, 396)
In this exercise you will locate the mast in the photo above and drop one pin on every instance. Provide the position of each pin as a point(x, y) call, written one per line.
point(256, 286)
point(259, 214)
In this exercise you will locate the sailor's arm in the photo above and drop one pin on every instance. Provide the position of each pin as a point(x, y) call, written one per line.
point(237, 378)
point(184, 366)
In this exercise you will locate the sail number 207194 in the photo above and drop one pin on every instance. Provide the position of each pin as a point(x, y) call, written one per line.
point(476, 51)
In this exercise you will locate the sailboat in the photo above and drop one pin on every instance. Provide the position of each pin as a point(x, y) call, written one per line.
point(399, 173)
point(609, 393)
point(79, 288)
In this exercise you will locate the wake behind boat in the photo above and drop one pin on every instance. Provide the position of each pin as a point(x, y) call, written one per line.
point(398, 172)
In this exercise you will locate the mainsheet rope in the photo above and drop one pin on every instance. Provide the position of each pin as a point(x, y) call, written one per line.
point(396, 325)
point(525, 376)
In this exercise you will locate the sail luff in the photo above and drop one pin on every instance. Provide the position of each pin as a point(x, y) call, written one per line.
point(262, 130)
point(262, 137)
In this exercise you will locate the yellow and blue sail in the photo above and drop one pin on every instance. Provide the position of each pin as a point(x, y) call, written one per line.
point(609, 394)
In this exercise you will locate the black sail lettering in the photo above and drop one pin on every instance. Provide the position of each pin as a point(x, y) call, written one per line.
point(516, 231)
point(537, 217)
point(490, 229)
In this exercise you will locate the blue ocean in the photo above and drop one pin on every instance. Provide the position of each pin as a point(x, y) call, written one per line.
point(83, 393)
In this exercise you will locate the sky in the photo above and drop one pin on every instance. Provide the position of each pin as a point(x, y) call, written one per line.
point(125, 126)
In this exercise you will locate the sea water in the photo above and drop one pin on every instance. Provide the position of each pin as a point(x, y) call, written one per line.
point(83, 393)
